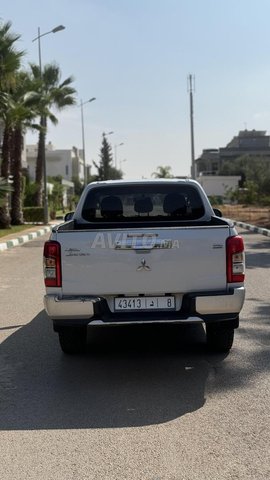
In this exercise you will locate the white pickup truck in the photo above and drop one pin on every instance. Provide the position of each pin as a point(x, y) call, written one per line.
point(144, 252)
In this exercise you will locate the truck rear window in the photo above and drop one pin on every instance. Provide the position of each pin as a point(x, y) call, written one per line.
point(142, 203)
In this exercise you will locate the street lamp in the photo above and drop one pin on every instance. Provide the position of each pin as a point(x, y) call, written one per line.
point(108, 133)
point(115, 152)
point(54, 30)
point(43, 124)
point(83, 139)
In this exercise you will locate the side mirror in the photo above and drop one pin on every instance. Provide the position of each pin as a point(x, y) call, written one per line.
point(68, 216)
point(217, 212)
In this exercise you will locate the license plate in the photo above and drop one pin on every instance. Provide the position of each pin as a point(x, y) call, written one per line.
point(144, 303)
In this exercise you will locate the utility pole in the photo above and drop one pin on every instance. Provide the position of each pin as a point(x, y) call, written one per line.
point(115, 153)
point(191, 88)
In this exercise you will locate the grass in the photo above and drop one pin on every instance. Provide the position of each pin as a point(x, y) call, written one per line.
point(259, 216)
point(15, 229)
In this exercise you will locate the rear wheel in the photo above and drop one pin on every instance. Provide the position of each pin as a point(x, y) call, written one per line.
point(219, 338)
point(73, 340)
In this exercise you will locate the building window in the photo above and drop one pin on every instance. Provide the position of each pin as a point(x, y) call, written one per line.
point(66, 170)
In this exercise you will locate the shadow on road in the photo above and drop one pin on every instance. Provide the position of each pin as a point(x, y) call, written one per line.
point(255, 256)
point(260, 244)
point(258, 260)
point(130, 377)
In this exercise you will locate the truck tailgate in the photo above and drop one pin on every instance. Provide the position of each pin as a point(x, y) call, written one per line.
point(151, 261)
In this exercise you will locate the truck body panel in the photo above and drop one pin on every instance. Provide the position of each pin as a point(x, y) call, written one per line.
point(186, 259)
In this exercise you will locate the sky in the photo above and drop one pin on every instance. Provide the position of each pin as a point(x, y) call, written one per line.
point(134, 56)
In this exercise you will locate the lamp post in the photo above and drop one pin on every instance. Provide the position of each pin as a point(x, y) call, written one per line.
point(121, 162)
point(83, 138)
point(115, 153)
point(108, 133)
point(43, 124)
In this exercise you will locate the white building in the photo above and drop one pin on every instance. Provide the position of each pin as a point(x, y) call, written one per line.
point(218, 185)
point(67, 163)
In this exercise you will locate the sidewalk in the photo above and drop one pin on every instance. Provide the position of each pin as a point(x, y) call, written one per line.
point(15, 239)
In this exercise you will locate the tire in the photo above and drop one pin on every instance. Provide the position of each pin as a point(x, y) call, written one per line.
point(73, 340)
point(219, 338)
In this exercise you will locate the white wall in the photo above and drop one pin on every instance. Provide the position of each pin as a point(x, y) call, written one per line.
point(58, 162)
point(217, 185)
point(55, 164)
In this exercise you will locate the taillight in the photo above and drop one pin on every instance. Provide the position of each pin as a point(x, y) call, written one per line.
point(52, 264)
point(235, 259)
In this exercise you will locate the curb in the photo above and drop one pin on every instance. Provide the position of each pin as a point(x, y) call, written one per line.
point(24, 238)
point(253, 228)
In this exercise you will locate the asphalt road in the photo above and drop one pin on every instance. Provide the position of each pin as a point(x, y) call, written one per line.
point(144, 403)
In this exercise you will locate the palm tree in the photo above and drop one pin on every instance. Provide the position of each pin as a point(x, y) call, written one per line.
point(10, 61)
point(20, 116)
point(10, 58)
point(53, 94)
point(5, 170)
point(5, 188)
point(163, 172)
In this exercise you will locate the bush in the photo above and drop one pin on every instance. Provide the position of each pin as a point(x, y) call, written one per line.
point(265, 200)
point(30, 194)
point(215, 199)
point(33, 214)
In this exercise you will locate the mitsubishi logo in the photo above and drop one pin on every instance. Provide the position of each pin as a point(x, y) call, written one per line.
point(143, 266)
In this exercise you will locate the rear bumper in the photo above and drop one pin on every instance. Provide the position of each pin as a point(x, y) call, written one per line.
point(214, 306)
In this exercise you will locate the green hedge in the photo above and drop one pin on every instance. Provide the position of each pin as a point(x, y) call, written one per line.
point(33, 214)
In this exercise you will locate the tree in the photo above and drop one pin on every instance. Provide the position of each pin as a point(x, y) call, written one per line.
point(10, 61)
point(29, 193)
point(105, 169)
point(4, 99)
point(5, 170)
point(78, 186)
point(10, 58)
point(19, 116)
point(255, 177)
point(5, 188)
point(163, 172)
point(53, 94)
point(56, 197)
